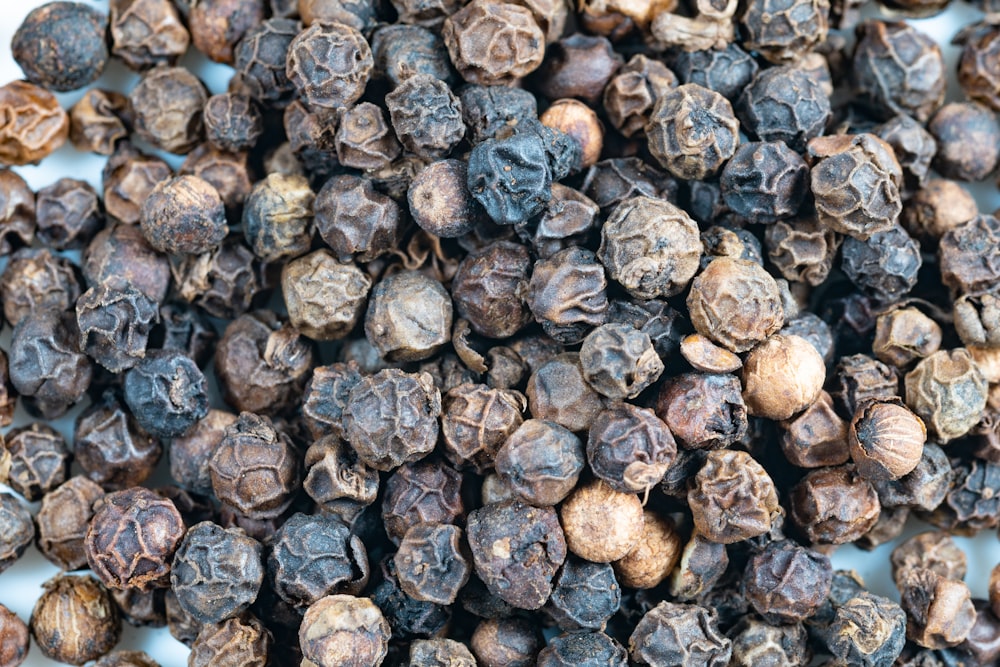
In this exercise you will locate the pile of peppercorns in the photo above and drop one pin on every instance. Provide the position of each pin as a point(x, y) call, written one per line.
point(544, 335)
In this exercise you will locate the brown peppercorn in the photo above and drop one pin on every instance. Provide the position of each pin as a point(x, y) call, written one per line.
point(329, 64)
point(914, 147)
point(75, 620)
point(977, 73)
point(782, 376)
point(262, 364)
point(325, 397)
point(859, 378)
point(492, 42)
point(337, 476)
point(16, 530)
point(654, 556)
point(68, 214)
point(35, 280)
point(17, 212)
point(61, 45)
point(619, 361)
point(651, 247)
point(692, 131)
point(426, 116)
point(580, 123)
point(732, 497)
point(111, 447)
point(703, 411)
point(237, 641)
point(817, 437)
point(228, 173)
point(440, 201)
point(886, 440)
point(440, 653)
point(601, 525)
point(184, 215)
point(115, 323)
point(63, 519)
point(409, 317)
point(905, 335)
point(364, 139)
point(633, 91)
point(431, 563)
point(100, 119)
point(476, 421)
point(13, 639)
point(255, 468)
point(707, 357)
point(359, 14)
point(222, 282)
point(567, 294)
point(167, 104)
point(126, 659)
point(834, 505)
point(558, 392)
point(933, 551)
point(967, 254)
point(355, 220)
point(939, 610)
point(959, 156)
point(342, 630)
point(787, 583)
point(324, 297)
point(629, 448)
point(782, 32)
point(578, 66)
point(948, 392)
point(735, 303)
point(802, 249)
point(428, 491)
point(39, 460)
point(132, 539)
point(517, 549)
point(34, 123)
point(486, 289)
point(217, 26)
point(190, 453)
point(936, 208)
point(540, 462)
point(391, 418)
point(146, 33)
point(846, 202)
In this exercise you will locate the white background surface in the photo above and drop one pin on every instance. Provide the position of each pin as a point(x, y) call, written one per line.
point(20, 585)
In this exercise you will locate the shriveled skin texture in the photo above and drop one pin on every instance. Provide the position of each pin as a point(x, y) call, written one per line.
point(485, 289)
point(733, 497)
point(168, 105)
point(476, 421)
point(618, 361)
point(939, 610)
point(336, 473)
point(314, 556)
point(115, 325)
point(344, 630)
point(132, 539)
point(651, 247)
point(601, 524)
point(421, 492)
point(948, 392)
point(38, 461)
point(676, 634)
point(14, 640)
point(784, 104)
point(899, 70)
point(855, 182)
point(217, 26)
point(567, 294)
point(261, 58)
point(16, 530)
point(764, 181)
point(493, 43)
point(735, 303)
point(868, 631)
point(277, 219)
point(787, 583)
point(111, 447)
point(426, 116)
point(61, 45)
point(431, 564)
point(329, 64)
point(147, 32)
point(324, 297)
point(584, 595)
point(834, 505)
point(630, 448)
point(184, 215)
point(236, 642)
point(541, 462)
point(37, 280)
point(355, 220)
point(692, 131)
point(409, 317)
point(216, 573)
point(63, 521)
point(510, 177)
point(783, 31)
point(517, 549)
point(255, 469)
point(33, 123)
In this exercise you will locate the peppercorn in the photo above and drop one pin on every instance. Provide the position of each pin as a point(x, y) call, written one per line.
point(764, 181)
point(324, 297)
point(37, 279)
point(756, 642)
point(245, 641)
point(939, 610)
point(167, 105)
point(63, 520)
point(255, 468)
point(782, 376)
point(601, 525)
point(692, 131)
point(787, 583)
point(364, 140)
point(672, 633)
point(38, 460)
point(61, 46)
point(36, 125)
point(558, 392)
point(17, 532)
point(834, 505)
point(925, 487)
point(540, 462)
point(431, 564)
point(409, 317)
point(958, 157)
point(933, 551)
point(727, 71)
point(948, 392)
point(655, 555)
point(68, 214)
point(492, 42)
point(46, 366)
point(111, 447)
point(75, 621)
point(13, 639)
point(427, 491)
point(426, 116)
point(867, 630)
point(732, 497)
point(584, 595)
point(440, 653)
point(567, 294)
point(817, 437)
point(344, 630)
point(510, 177)
point(141, 609)
point(355, 220)
point(329, 64)
point(129, 177)
point(784, 104)
point(578, 66)
point(502, 642)
point(146, 33)
point(486, 286)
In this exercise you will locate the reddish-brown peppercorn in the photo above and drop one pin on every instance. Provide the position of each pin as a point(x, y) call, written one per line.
point(33, 124)
point(75, 620)
point(493, 42)
point(168, 104)
point(834, 505)
point(13, 639)
point(782, 376)
point(886, 440)
point(732, 498)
